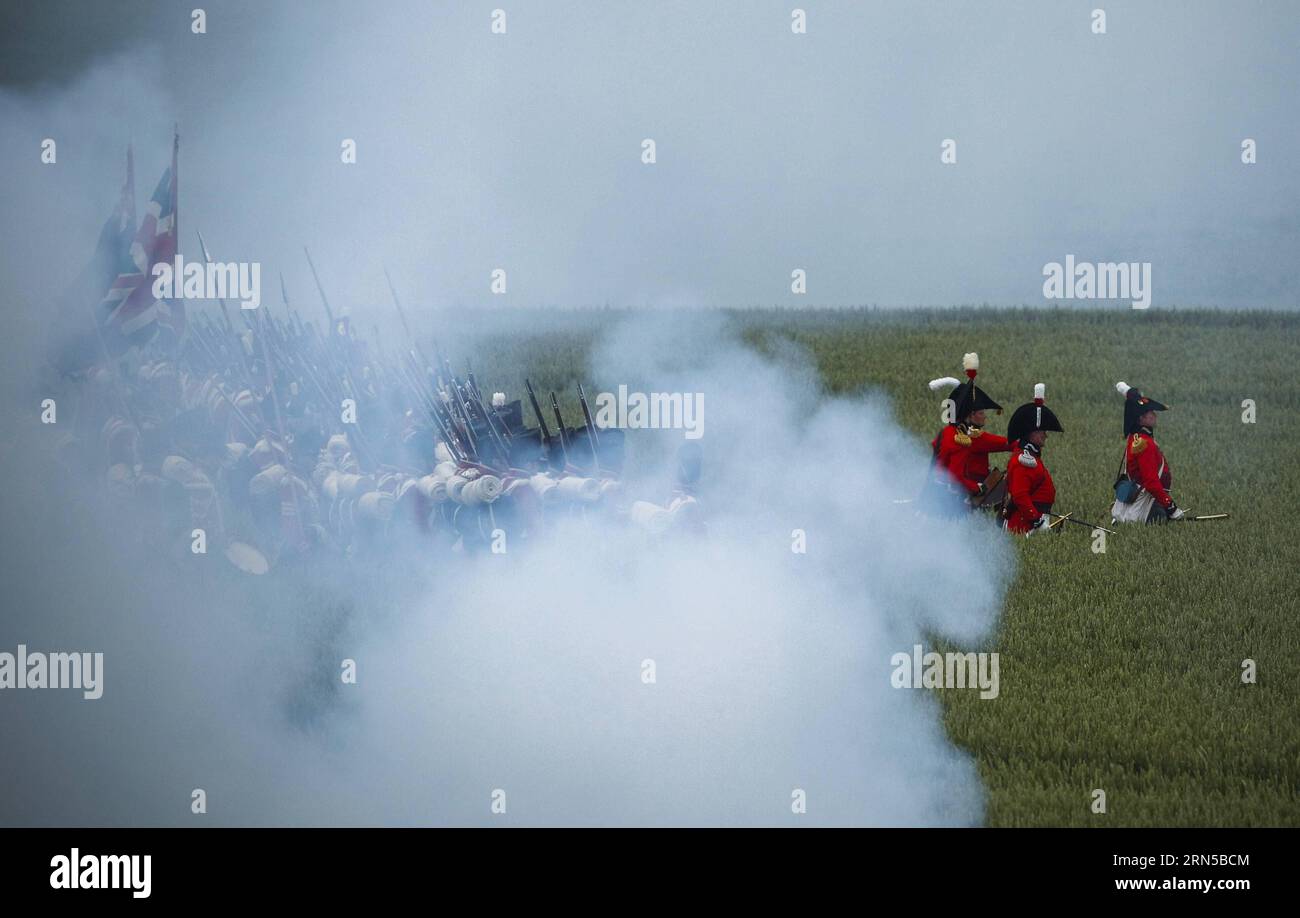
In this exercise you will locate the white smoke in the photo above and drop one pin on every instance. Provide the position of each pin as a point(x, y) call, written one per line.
point(524, 672)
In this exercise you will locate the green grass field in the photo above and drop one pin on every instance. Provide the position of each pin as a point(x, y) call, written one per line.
point(1119, 670)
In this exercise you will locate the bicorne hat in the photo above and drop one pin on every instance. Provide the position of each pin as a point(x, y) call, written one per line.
point(1135, 405)
point(966, 396)
point(1033, 416)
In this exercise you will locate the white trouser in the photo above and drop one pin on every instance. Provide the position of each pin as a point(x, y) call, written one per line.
point(1136, 512)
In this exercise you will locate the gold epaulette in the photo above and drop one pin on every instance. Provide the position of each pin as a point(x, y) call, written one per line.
point(962, 439)
point(1137, 444)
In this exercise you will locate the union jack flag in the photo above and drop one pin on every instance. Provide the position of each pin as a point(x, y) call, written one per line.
point(73, 342)
point(129, 314)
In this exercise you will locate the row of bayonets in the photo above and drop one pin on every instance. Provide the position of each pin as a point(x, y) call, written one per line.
point(455, 406)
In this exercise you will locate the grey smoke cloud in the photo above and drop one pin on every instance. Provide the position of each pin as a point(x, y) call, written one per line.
point(775, 151)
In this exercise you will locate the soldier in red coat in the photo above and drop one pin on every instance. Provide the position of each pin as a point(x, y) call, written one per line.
point(1142, 491)
point(961, 449)
point(1030, 491)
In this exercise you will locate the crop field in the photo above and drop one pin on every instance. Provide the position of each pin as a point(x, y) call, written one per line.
point(1121, 669)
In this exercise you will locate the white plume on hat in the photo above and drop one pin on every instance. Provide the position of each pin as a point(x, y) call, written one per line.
point(498, 399)
point(943, 382)
point(1040, 390)
point(970, 361)
point(1122, 388)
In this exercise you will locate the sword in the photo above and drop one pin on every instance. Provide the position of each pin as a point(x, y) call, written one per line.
point(1204, 516)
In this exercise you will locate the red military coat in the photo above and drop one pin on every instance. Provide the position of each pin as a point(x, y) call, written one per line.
point(982, 444)
point(1030, 490)
point(1147, 466)
point(964, 455)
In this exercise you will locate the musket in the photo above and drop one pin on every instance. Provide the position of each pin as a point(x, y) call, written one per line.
point(458, 401)
point(454, 400)
point(430, 400)
point(201, 334)
point(401, 314)
point(591, 428)
point(355, 390)
point(448, 433)
point(476, 399)
point(438, 360)
point(243, 418)
point(537, 410)
point(329, 313)
point(294, 323)
point(420, 377)
point(207, 258)
point(1203, 517)
point(457, 396)
point(446, 378)
point(1069, 518)
point(225, 313)
point(559, 422)
point(463, 400)
point(279, 426)
point(327, 383)
point(262, 333)
point(417, 373)
point(422, 399)
point(198, 338)
point(310, 374)
point(499, 442)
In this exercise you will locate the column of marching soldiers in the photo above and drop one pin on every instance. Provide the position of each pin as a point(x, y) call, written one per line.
point(275, 441)
point(1022, 497)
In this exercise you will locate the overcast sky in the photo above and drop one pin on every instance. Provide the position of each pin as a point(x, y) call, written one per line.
point(775, 151)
